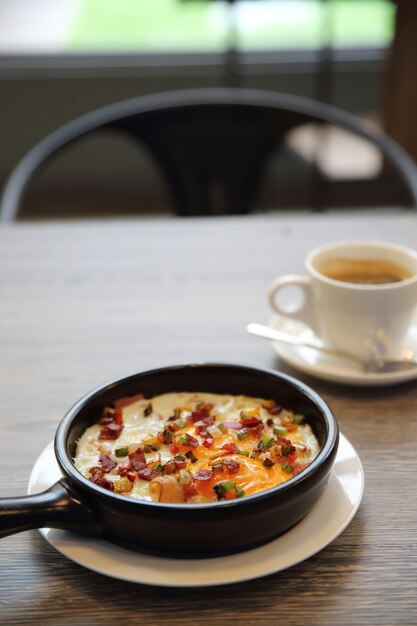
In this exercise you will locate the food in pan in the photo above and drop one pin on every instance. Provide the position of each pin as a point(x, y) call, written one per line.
point(190, 447)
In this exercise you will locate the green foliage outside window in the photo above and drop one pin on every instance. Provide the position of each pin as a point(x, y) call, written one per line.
point(187, 25)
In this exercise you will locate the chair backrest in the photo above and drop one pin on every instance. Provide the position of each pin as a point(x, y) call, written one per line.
point(211, 144)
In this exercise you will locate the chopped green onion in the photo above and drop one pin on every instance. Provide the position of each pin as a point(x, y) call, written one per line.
point(177, 413)
point(121, 452)
point(217, 466)
point(255, 454)
point(179, 457)
point(279, 430)
point(225, 485)
point(268, 463)
point(287, 467)
point(184, 439)
point(299, 419)
point(239, 491)
point(180, 422)
point(242, 433)
point(190, 455)
point(243, 452)
point(219, 493)
point(158, 468)
point(286, 450)
point(222, 428)
point(265, 442)
point(221, 488)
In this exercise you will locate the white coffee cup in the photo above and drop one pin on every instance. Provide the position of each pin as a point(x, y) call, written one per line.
point(360, 318)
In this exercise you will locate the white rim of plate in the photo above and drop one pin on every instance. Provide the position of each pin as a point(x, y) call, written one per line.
point(326, 366)
point(328, 518)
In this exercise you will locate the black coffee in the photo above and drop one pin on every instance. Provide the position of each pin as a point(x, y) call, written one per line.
point(364, 271)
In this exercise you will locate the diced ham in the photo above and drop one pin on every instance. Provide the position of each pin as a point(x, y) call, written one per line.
point(111, 431)
point(97, 477)
point(192, 441)
point(107, 463)
point(138, 460)
point(147, 473)
point(232, 466)
point(203, 475)
point(250, 422)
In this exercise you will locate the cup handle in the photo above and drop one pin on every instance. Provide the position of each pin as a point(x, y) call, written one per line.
point(305, 312)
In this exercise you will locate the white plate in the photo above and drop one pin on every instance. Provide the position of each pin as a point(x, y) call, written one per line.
point(329, 367)
point(321, 526)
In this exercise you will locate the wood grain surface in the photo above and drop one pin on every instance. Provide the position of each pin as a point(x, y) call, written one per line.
point(81, 303)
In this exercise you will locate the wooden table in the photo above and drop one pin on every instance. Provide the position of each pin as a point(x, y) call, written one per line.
point(81, 303)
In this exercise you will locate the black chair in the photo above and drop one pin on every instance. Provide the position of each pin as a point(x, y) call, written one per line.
point(211, 145)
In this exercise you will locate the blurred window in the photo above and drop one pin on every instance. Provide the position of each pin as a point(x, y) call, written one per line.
point(161, 26)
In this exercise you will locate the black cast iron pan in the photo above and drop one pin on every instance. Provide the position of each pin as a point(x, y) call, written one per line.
point(189, 530)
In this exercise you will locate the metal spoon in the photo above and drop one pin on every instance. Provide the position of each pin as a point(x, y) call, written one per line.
point(377, 365)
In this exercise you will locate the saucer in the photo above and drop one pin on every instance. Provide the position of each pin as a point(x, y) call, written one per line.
point(329, 517)
point(330, 367)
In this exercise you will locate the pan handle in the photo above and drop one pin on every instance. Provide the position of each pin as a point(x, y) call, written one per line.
point(57, 507)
